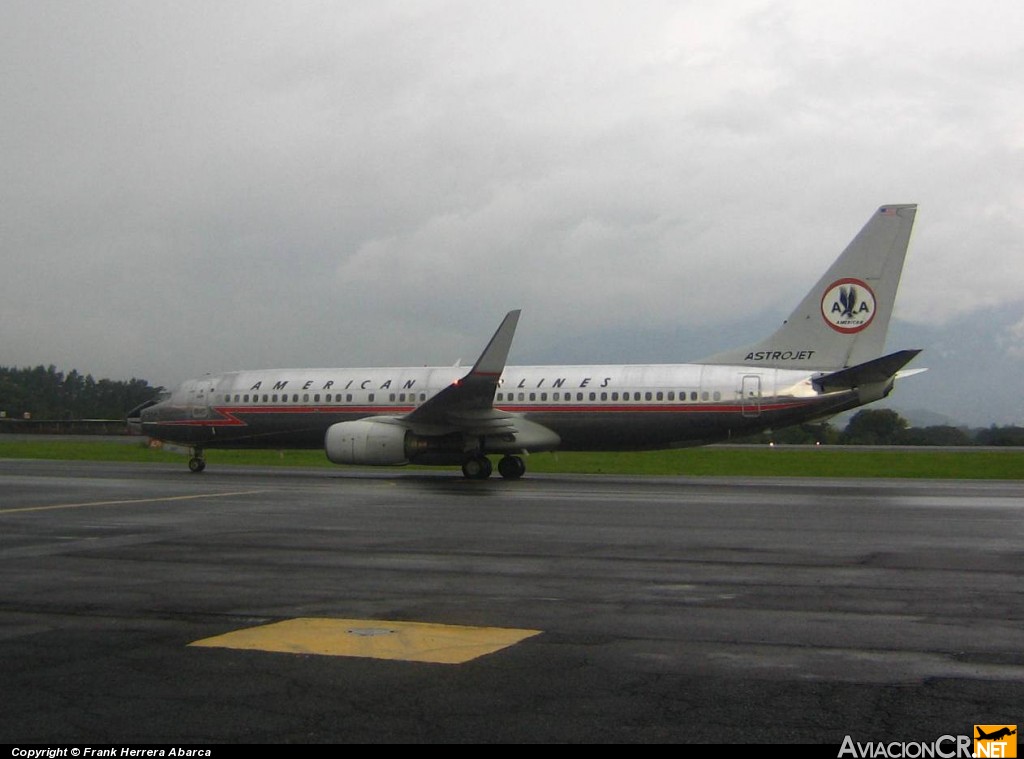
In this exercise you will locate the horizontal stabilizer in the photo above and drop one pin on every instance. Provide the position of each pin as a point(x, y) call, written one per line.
point(879, 370)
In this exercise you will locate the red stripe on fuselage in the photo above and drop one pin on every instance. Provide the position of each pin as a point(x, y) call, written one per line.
point(229, 416)
point(624, 408)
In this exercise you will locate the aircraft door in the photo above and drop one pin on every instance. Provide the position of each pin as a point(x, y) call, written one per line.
point(750, 395)
point(200, 395)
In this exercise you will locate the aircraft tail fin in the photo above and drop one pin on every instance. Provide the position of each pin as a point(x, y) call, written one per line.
point(843, 320)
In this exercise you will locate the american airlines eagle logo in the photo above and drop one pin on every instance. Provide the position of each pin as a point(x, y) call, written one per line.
point(848, 305)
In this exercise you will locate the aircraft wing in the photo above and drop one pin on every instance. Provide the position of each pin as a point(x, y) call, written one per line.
point(468, 403)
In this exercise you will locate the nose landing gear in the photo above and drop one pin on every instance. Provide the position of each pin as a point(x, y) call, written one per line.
point(197, 461)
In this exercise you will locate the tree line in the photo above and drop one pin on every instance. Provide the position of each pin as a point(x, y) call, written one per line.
point(887, 427)
point(43, 392)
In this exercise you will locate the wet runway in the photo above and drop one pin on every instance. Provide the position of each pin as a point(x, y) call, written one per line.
point(680, 610)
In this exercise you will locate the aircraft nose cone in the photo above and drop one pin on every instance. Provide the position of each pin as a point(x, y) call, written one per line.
point(139, 416)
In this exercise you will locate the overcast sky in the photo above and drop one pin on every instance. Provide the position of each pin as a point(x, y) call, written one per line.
point(193, 187)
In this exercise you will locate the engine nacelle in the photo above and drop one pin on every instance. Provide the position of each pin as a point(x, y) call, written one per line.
point(382, 442)
point(366, 441)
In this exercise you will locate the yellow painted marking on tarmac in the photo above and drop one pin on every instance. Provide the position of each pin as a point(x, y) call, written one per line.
point(372, 639)
point(164, 499)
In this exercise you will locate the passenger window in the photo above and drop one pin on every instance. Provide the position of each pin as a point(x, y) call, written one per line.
point(245, 398)
point(533, 396)
point(704, 395)
point(718, 396)
point(348, 397)
point(647, 395)
point(593, 396)
point(693, 395)
point(316, 398)
point(660, 396)
point(371, 398)
point(671, 395)
point(543, 396)
point(604, 396)
point(391, 397)
point(636, 396)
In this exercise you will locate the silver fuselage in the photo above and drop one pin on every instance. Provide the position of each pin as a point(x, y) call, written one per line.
point(612, 407)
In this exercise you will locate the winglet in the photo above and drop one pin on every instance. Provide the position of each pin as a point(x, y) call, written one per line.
point(475, 390)
point(492, 361)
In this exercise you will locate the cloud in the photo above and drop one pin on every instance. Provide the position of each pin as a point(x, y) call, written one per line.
point(1013, 340)
point(198, 187)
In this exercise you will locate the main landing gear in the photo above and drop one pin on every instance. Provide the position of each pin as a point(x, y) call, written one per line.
point(480, 468)
point(196, 461)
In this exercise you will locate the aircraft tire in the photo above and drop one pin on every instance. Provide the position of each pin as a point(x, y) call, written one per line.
point(196, 464)
point(477, 468)
point(511, 467)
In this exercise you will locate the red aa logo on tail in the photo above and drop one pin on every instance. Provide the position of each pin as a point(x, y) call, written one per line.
point(848, 305)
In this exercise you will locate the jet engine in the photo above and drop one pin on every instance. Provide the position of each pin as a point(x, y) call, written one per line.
point(366, 442)
point(380, 442)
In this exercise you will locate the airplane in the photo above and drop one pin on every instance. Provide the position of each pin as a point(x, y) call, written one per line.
point(826, 358)
point(995, 735)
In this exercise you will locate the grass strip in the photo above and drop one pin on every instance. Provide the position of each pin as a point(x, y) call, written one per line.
point(740, 461)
